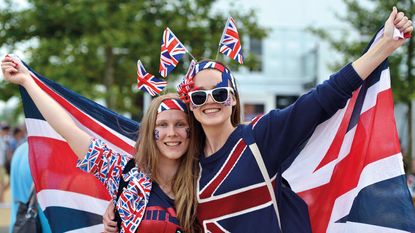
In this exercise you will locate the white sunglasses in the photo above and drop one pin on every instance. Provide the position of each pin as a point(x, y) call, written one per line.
point(219, 95)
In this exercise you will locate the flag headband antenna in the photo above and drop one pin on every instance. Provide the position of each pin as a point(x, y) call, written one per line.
point(221, 38)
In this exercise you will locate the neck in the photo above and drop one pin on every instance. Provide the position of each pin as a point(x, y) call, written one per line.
point(166, 170)
point(216, 137)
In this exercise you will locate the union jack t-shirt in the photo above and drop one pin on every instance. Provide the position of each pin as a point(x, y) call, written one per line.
point(142, 206)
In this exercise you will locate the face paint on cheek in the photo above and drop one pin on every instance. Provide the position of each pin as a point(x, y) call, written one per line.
point(228, 102)
point(194, 106)
point(156, 134)
point(188, 132)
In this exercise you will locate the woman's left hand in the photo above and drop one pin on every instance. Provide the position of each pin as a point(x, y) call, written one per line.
point(401, 22)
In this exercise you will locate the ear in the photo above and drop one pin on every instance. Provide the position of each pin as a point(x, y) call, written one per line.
point(191, 107)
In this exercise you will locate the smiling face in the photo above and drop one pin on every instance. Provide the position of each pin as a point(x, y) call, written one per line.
point(212, 113)
point(172, 134)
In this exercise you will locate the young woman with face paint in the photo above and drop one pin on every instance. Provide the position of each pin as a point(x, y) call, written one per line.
point(160, 191)
point(231, 191)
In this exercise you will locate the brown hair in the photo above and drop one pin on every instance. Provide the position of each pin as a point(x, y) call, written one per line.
point(184, 182)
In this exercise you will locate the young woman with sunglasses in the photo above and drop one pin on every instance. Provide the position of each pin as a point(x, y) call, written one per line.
point(231, 190)
point(160, 185)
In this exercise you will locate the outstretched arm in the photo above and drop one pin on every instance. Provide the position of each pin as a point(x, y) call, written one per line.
point(368, 62)
point(15, 72)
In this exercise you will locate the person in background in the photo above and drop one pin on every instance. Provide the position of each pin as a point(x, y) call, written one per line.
point(4, 131)
point(17, 137)
point(21, 184)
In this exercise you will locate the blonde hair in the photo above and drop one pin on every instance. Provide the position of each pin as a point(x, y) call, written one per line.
point(184, 182)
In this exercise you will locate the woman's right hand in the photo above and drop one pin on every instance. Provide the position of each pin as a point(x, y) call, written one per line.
point(14, 71)
point(110, 226)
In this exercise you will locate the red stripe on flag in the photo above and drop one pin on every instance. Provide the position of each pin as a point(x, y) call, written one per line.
point(87, 121)
point(53, 166)
point(375, 138)
point(333, 151)
point(172, 44)
point(214, 228)
point(233, 203)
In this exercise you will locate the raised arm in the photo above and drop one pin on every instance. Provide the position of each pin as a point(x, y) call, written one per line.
point(368, 62)
point(15, 72)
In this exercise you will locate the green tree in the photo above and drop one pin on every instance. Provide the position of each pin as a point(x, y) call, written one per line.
point(92, 46)
point(366, 18)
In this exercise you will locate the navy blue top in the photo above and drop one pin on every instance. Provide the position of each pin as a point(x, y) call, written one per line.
point(232, 194)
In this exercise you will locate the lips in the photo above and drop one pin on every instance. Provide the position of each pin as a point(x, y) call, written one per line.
point(211, 110)
point(172, 143)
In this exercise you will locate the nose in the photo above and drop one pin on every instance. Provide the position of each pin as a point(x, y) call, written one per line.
point(171, 131)
point(210, 99)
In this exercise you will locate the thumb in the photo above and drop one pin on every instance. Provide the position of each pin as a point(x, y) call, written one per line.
point(392, 15)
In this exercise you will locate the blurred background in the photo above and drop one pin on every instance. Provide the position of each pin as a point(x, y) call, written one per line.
point(92, 47)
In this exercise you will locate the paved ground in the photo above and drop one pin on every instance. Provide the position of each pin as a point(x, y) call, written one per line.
point(5, 213)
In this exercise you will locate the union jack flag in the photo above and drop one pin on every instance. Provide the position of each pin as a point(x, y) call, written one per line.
point(72, 200)
point(147, 82)
point(229, 44)
point(172, 50)
point(350, 173)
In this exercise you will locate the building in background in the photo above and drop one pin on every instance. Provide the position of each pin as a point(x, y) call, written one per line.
point(292, 60)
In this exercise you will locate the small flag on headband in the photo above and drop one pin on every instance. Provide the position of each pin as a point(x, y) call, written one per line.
point(147, 82)
point(187, 83)
point(189, 75)
point(172, 50)
point(229, 44)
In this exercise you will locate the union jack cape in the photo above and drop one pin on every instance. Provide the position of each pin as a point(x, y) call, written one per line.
point(72, 200)
point(350, 172)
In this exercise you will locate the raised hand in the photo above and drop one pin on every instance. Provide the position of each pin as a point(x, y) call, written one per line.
point(14, 71)
point(401, 22)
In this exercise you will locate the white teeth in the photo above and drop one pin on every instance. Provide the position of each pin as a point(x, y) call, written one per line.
point(211, 110)
point(172, 143)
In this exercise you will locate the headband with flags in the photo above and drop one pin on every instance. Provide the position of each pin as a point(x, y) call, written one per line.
point(172, 50)
point(187, 84)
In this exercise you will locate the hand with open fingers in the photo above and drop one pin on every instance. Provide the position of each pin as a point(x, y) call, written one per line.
point(14, 71)
point(110, 226)
point(398, 20)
